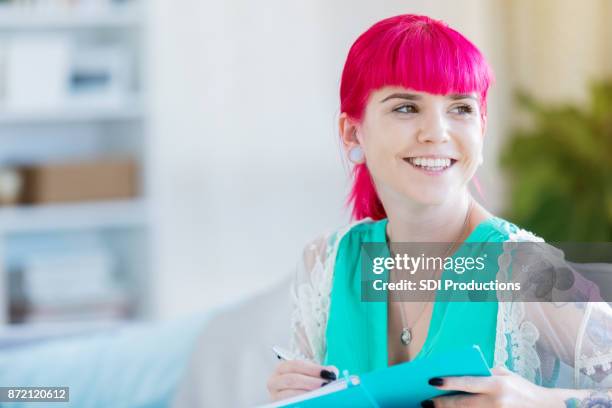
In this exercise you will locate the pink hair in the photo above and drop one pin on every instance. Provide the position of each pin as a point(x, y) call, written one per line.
point(414, 52)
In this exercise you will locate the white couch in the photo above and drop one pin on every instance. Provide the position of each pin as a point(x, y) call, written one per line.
point(233, 356)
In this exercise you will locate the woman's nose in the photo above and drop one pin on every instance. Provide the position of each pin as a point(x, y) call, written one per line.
point(433, 129)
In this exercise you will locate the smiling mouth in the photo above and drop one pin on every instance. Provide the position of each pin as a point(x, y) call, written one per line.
point(430, 165)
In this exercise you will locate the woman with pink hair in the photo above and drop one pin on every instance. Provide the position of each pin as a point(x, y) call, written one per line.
point(413, 100)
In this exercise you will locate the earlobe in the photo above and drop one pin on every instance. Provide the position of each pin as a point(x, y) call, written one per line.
point(350, 139)
point(356, 155)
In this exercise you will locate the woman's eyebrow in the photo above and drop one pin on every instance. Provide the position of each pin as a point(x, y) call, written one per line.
point(408, 96)
point(462, 96)
point(416, 97)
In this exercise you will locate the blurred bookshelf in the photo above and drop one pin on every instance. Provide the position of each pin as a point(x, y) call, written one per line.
point(14, 17)
point(130, 111)
point(74, 220)
point(111, 214)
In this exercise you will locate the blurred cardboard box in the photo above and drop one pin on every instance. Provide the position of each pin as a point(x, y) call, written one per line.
point(84, 181)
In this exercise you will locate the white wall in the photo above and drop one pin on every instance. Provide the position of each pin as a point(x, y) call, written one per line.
point(246, 162)
point(558, 46)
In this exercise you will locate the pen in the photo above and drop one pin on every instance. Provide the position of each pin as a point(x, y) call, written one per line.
point(283, 354)
point(350, 380)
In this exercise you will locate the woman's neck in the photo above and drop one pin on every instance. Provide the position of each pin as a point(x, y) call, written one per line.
point(445, 222)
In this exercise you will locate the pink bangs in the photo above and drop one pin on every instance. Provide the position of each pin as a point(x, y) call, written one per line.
point(414, 52)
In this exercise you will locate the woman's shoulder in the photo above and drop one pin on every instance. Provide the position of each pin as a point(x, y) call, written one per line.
point(319, 251)
point(330, 238)
point(490, 229)
point(497, 229)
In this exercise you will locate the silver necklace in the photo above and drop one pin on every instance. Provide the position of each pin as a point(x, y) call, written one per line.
point(406, 334)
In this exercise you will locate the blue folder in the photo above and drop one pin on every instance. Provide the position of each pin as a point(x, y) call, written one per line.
point(403, 385)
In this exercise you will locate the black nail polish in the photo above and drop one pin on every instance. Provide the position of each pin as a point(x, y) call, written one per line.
point(325, 383)
point(436, 381)
point(328, 375)
point(427, 404)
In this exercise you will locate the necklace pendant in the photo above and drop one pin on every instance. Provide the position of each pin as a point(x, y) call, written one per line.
point(406, 336)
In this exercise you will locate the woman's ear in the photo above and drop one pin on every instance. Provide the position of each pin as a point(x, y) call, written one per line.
point(350, 139)
point(348, 131)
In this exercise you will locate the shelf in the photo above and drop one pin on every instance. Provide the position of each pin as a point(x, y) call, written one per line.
point(12, 335)
point(93, 215)
point(75, 113)
point(77, 126)
point(28, 18)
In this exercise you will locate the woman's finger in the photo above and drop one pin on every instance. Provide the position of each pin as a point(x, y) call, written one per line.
point(284, 394)
point(307, 368)
point(501, 370)
point(474, 385)
point(296, 382)
point(458, 401)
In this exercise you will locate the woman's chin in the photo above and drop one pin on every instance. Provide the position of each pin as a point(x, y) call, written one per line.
point(428, 196)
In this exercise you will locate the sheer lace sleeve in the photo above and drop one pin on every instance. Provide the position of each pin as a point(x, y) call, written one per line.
point(594, 350)
point(578, 335)
point(564, 340)
point(310, 294)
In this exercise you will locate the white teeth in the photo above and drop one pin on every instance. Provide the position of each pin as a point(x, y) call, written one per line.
point(429, 163)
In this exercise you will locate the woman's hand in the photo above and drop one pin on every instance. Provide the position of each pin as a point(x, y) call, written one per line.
point(503, 389)
point(291, 378)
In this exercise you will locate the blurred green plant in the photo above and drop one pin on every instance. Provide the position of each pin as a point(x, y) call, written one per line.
point(561, 168)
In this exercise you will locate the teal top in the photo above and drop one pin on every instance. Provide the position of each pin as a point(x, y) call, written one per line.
point(356, 333)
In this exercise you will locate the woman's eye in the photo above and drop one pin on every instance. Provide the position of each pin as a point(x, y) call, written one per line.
point(462, 109)
point(406, 109)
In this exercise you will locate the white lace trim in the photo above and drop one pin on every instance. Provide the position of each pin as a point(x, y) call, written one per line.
point(312, 298)
point(523, 336)
point(600, 358)
point(311, 309)
point(590, 364)
point(578, 363)
point(511, 323)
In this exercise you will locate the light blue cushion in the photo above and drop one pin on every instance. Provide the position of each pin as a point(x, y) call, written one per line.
point(135, 367)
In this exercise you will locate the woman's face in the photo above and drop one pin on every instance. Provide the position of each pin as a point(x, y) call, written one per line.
point(422, 146)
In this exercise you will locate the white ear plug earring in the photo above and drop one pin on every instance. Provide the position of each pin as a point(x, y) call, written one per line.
point(356, 155)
